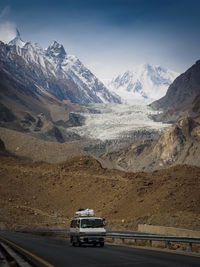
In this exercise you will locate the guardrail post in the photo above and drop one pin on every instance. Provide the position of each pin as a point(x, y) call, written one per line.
point(167, 244)
point(113, 239)
point(190, 244)
point(123, 240)
point(150, 243)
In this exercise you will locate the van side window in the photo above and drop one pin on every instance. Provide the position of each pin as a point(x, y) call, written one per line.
point(73, 224)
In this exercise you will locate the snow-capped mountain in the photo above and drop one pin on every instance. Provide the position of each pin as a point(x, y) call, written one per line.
point(143, 85)
point(59, 73)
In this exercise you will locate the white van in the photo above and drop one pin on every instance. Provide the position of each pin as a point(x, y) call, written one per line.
point(87, 230)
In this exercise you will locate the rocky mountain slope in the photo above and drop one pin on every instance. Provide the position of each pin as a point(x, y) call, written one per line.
point(56, 72)
point(181, 96)
point(38, 87)
point(195, 106)
point(143, 85)
point(40, 195)
point(37, 113)
point(180, 144)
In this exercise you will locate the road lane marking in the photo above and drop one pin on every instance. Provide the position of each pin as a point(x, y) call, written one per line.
point(27, 252)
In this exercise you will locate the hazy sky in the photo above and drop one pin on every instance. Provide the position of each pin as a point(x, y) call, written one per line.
point(110, 36)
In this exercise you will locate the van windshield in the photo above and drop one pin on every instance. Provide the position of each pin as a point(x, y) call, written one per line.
point(91, 223)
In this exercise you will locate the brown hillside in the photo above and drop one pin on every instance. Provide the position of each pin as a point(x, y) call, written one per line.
point(47, 195)
point(29, 147)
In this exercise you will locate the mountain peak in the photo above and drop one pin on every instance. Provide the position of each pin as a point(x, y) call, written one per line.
point(147, 67)
point(17, 40)
point(144, 84)
point(56, 50)
point(55, 44)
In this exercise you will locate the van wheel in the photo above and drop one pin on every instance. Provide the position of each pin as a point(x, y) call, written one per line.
point(102, 244)
point(72, 241)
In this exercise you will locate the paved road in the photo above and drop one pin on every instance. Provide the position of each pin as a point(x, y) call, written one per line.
point(58, 252)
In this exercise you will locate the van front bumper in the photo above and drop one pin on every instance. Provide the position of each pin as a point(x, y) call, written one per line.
point(92, 239)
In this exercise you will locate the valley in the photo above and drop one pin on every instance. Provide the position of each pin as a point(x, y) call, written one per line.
point(69, 142)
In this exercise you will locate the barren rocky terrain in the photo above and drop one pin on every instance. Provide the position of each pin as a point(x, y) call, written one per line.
point(40, 194)
point(179, 144)
point(28, 147)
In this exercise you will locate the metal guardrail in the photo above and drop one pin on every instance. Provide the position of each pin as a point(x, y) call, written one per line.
point(131, 236)
point(163, 238)
point(10, 257)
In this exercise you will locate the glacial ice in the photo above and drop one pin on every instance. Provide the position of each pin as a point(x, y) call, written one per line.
point(115, 121)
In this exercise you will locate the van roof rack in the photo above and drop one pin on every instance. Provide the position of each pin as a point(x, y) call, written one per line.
point(77, 216)
point(85, 213)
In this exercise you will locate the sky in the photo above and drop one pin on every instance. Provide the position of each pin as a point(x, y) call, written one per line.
point(110, 36)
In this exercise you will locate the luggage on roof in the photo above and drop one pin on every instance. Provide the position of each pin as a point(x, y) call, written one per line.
point(86, 212)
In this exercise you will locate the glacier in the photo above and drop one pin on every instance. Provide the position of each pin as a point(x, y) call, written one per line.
point(115, 122)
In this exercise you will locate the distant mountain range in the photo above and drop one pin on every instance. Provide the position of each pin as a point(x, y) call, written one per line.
point(143, 85)
point(57, 72)
point(54, 71)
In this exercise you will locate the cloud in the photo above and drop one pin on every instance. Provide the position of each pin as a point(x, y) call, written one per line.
point(4, 12)
point(7, 31)
point(7, 28)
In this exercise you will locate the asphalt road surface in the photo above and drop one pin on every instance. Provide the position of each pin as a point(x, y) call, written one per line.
point(49, 251)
